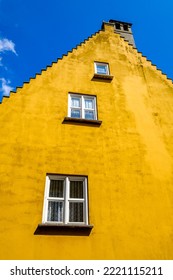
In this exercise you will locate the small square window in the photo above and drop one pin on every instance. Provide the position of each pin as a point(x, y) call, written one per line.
point(101, 68)
point(82, 106)
point(65, 200)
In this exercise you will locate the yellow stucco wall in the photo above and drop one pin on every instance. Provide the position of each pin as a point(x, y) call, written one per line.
point(128, 159)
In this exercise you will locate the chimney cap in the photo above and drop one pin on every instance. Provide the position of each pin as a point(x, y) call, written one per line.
point(118, 21)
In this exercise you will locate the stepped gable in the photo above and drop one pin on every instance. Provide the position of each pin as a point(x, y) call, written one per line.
point(53, 62)
point(116, 25)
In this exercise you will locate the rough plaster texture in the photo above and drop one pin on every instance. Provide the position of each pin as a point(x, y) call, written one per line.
point(128, 159)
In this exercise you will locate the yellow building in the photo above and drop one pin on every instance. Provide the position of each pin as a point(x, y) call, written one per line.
point(87, 156)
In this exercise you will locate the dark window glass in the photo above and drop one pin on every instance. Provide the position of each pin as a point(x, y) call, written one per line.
point(76, 212)
point(56, 188)
point(55, 211)
point(76, 189)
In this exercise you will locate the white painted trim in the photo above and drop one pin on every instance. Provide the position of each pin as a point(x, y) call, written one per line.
point(66, 198)
point(66, 204)
point(45, 204)
point(82, 107)
point(102, 64)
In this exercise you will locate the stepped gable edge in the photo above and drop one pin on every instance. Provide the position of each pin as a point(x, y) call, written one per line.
point(75, 48)
point(49, 66)
point(152, 64)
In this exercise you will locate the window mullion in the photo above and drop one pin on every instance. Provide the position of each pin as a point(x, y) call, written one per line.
point(66, 201)
point(83, 107)
point(55, 199)
point(76, 199)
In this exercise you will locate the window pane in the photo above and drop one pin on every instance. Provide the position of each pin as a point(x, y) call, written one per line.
point(75, 102)
point(55, 211)
point(56, 188)
point(101, 69)
point(76, 212)
point(89, 115)
point(89, 103)
point(76, 189)
point(75, 113)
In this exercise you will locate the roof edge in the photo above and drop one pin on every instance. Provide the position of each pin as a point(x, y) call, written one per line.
point(78, 45)
point(118, 21)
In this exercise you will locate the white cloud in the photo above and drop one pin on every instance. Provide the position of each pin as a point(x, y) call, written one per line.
point(5, 88)
point(7, 45)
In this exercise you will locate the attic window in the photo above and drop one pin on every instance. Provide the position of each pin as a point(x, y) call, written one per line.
point(101, 71)
point(101, 68)
point(125, 27)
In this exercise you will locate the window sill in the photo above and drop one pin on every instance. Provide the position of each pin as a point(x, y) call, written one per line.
point(82, 121)
point(102, 77)
point(62, 229)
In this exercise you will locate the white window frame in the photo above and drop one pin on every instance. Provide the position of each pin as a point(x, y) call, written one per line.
point(82, 108)
point(101, 64)
point(66, 199)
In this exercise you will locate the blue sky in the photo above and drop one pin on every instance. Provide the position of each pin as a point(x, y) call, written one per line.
point(33, 33)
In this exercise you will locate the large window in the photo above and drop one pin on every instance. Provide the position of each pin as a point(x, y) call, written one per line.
point(82, 106)
point(65, 200)
point(101, 68)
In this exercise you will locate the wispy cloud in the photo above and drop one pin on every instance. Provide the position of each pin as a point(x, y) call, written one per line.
point(5, 88)
point(7, 45)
